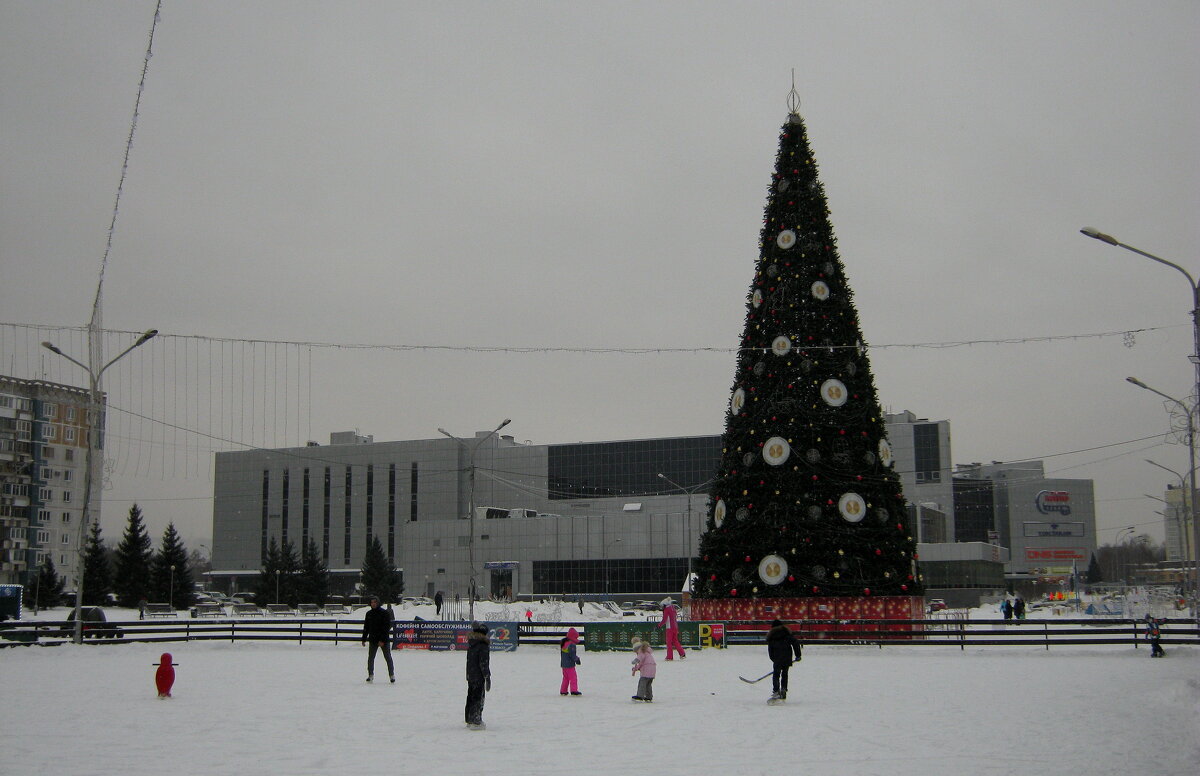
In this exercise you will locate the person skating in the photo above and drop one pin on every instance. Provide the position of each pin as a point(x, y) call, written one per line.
point(781, 645)
point(377, 630)
point(644, 662)
point(1154, 636)
point(567, 661)
point(479, 674)
point(670, 625)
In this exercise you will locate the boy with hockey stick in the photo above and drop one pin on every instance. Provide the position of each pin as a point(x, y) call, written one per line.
point(781, 644)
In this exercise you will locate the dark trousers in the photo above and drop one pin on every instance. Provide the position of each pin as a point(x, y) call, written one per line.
point(1156, 649)
point(387, 655)
point(779, 675)
point(475, 696)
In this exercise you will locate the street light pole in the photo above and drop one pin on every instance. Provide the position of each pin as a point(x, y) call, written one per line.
point(606, 572)
point(1189, 495)
point(1096, 234)
point(688, 524)
point(1122, 541)
point(93, 442)
point(471, 450)
point(1184, 539)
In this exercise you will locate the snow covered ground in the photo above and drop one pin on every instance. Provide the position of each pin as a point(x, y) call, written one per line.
point(266, 708)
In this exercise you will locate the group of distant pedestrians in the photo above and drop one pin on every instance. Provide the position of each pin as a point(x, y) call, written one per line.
point(1014, 609)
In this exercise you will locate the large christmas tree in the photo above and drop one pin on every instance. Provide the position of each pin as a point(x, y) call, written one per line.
point(806, 502)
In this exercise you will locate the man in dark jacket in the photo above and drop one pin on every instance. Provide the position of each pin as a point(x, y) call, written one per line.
point(479, 674)
point(377, 629)
point(781, 644)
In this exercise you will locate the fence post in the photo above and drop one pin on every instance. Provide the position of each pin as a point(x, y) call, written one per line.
point(301, 633)
point(962, 636)
point(336, 625)
point(232, 631)
point(1046, 634)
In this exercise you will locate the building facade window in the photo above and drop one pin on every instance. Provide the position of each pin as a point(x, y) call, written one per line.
point(69, 434)
point(45, 494)
point(70, 413)
point(612, 469)
point(927, 455)
point(49, 410)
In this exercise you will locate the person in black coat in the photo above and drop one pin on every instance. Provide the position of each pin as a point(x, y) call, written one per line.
point(377, 630)
point(479, 674)
point(781, 645)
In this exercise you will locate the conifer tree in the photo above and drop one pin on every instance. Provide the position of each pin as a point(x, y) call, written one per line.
point(173, 585)
point(805, 502)
point(45, 589)
point(379, 576)
point(1094, 575)
point(289, 574)
point(97, 574)
point(131, 577)
point(313, 581)
point(267, 589)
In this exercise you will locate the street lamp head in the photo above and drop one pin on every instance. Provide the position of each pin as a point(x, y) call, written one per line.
point(505, 423)
point(148, 335)
point(1096, 234)
point(1137, 382)
point(51, 347)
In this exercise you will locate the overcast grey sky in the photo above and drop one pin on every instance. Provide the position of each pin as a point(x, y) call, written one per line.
point(593, 175)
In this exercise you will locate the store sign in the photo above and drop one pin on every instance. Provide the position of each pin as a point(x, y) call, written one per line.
point(1043, 530)
point(1053, 502)
point(1055, 553)
point(452, 636)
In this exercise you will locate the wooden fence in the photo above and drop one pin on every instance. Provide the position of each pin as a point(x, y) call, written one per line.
point(960, 633)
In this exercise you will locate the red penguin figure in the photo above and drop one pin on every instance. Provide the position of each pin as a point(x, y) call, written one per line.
point(164, 677)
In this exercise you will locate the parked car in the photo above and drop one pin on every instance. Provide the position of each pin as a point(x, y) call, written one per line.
point(935, 605)
point(242, 598)
point(416, 600)
point(94, 625)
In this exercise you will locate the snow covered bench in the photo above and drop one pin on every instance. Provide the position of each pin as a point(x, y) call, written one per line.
point(307, 609)
point(279, 610)
point(158, 610)
point(243, 610)
point(336, 609)
point(208, 610)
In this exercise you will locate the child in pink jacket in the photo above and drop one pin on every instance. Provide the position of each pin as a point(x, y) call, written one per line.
point(644, 662)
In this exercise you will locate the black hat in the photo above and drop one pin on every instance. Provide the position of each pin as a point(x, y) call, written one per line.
point(480, 628)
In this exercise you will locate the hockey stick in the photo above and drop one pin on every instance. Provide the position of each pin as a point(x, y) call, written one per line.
point(759, 679)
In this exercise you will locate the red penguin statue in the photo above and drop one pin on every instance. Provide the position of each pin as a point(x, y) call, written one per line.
point(164, 677)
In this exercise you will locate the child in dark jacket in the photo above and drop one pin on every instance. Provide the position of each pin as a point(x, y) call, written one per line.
point(479, 674)
point(567, 661)
point(781, 645)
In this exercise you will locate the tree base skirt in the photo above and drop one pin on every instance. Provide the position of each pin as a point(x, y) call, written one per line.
point(798, 609)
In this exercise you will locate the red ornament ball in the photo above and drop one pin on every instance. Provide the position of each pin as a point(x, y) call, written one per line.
point(816, 589)
point(791, 578)
point(747, 558)
point(712, 578)
point(866, 591)
point(878, 552)
point(733, 591)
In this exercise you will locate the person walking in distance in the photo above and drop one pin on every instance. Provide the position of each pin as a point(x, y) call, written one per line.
point(377, 630)
point(479, 674)
point(670, 625)
point(781, 644)
point(437, 603)
point(567, 660)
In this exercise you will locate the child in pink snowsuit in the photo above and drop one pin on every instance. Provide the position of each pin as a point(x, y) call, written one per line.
point(670, 624)
point(644, 662)
point(568, 660)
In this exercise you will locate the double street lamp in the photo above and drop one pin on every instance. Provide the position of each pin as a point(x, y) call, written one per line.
point(688, 523)
point(1189, 493)
point(93, 443)
point(470, 450)
point(1108, 239)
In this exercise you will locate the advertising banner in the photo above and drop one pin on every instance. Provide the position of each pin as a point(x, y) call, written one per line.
point(616, 636)
point(443, 636)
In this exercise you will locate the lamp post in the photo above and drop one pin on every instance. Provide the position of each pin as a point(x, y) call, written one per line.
point(93, 442)
point(471, 450)
point(1096, 234)
point(171, 589)
point(1184, 539)
point(1122, 541)
point(688, 525)
point(1189, 493)
point(606, 572)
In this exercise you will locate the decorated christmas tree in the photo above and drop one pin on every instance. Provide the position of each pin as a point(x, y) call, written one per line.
point(806, 502)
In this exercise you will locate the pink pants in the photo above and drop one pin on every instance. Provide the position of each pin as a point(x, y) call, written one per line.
point(570, 682)
point(672, 639)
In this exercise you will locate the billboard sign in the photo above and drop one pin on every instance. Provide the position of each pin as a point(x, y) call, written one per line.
point(450, 636)
point(1053, 502)
point(1042, 530)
